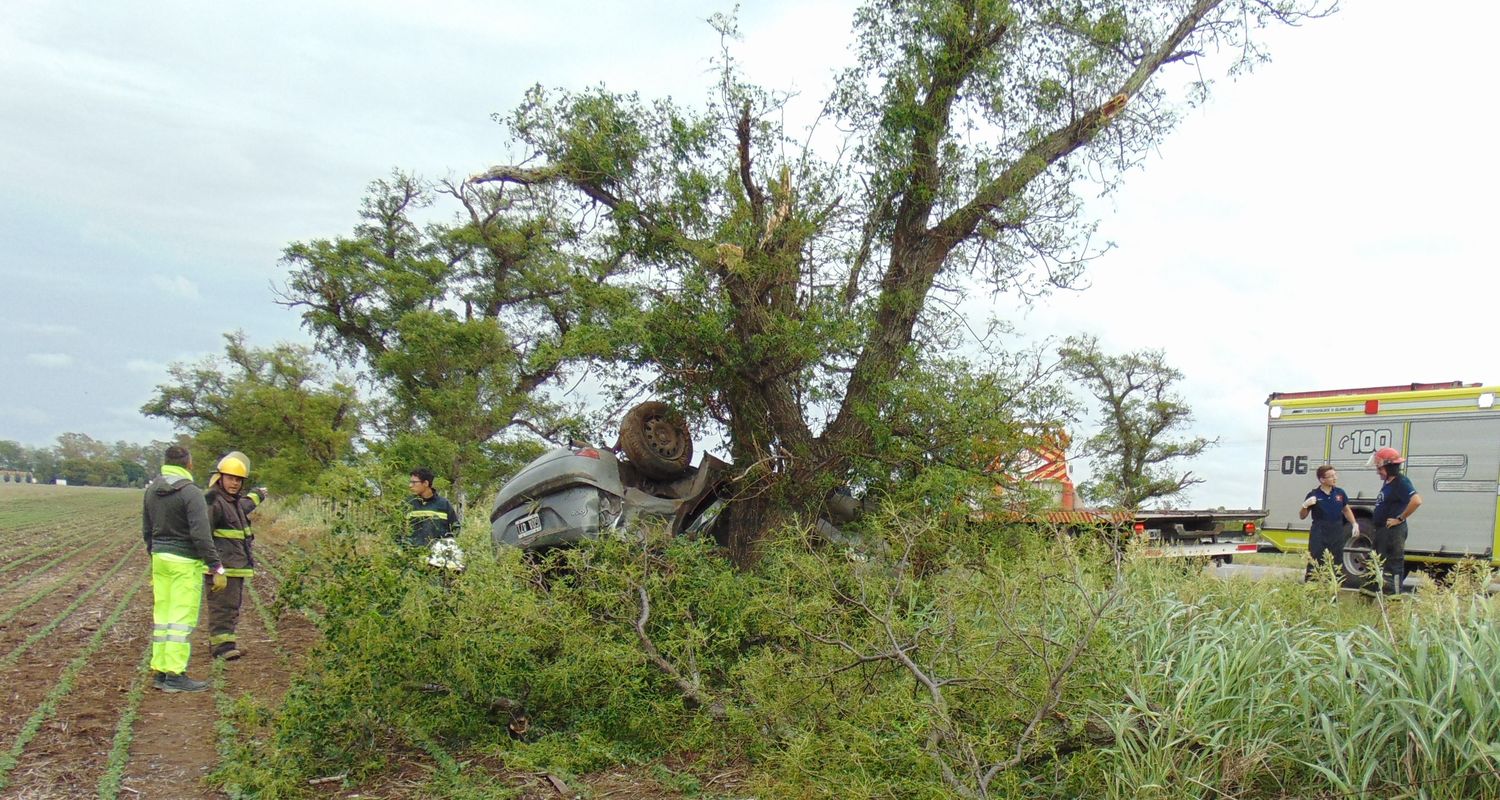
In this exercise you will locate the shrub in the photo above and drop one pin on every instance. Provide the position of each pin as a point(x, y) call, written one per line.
point(982, 661)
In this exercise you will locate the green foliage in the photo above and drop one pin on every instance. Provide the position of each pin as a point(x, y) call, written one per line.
point(1249, 696)
point(82, 460)
point(462, 325)
point(275, 405)
point(1038, 667)
point(1133, 454)
point(796, 297)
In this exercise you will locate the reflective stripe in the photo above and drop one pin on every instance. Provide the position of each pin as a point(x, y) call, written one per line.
point(167, 637)
point(220, 638)
point(234, 572)
point(174, 626)
point(229, 533)
point(426, 515)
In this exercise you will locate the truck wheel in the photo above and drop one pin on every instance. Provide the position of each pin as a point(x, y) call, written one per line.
point(1358, 557)
point(656, 440)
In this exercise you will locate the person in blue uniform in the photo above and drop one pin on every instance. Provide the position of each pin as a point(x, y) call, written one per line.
point(1328, 506)
point(1394, 505)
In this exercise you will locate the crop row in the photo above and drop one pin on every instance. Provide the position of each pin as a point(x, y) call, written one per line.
point(64, 685)
point(65, 580)
point(42, 633)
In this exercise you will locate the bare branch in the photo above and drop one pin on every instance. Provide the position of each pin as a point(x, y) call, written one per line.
point(694, 694)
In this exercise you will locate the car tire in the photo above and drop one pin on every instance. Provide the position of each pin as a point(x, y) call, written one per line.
point(1357, 553)
point(656, 440)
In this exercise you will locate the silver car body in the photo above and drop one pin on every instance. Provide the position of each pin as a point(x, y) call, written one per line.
point(571, 494)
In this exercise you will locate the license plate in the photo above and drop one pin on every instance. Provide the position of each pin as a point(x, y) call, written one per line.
point(527, 527)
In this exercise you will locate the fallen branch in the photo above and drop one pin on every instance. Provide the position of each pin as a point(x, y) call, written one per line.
point(692, 693)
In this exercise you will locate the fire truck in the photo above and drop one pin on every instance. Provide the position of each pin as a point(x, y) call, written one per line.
point(1450, 436)
point(1216, 534)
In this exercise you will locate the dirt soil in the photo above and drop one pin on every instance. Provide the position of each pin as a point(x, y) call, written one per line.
point(56, 609)
point(173, 746)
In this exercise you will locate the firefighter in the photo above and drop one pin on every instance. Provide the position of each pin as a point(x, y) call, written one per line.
point(1329, 507)
point(229, 509)
point(174, 523)
point(431, 516)
point(1396, 502)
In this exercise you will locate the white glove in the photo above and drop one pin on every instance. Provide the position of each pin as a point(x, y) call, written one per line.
point(1309, 502)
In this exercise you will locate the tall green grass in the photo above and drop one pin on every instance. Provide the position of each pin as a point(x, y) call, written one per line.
point(986, 662)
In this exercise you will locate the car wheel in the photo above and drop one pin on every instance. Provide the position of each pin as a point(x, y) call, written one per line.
point(655, 439)
point(1358, 552)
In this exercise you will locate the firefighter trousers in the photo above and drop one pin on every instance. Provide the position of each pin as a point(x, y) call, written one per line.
point(1390, 545)
point(224, 610)
point(224, 606)
point(176, 590)
point(1325, 541)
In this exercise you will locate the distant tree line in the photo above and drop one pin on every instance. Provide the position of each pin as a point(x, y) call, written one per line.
point(82, 460)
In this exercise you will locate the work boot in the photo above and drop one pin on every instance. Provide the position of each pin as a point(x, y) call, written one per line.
point(157, 679)
point(182, 683)
point(228, 651)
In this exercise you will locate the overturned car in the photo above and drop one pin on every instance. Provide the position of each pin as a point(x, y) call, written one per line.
point(574, 493)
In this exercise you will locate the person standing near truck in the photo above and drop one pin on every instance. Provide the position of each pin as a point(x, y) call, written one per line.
point(1329, 507)
point(229, 509)
point(1394, 505)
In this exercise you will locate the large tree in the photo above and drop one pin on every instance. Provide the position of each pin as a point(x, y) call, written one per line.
point(275, 404)
point(460, 325)
point(793, 295)
point(1136, 453)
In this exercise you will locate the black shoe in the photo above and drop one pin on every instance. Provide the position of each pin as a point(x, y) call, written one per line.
point(182, 683)
point(157, 679)
point(228, 651)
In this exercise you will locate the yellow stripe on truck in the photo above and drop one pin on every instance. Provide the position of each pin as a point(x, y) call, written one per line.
point(1286, 541)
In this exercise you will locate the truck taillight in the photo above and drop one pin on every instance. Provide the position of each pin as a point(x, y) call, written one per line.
point(586, 452)
point(1249, 527)
point(1139, 527)
point(1247, 548)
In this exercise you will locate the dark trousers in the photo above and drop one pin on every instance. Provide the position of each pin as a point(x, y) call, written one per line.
point(1325, 542)
point(224, 607)
point(1390, 545)
point(224, 610)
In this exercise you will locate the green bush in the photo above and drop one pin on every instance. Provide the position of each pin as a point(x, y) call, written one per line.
point(967, 661)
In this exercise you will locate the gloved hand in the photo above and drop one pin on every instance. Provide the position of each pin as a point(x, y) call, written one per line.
point(265, 494)
point(1309, 502)
point(221, 581)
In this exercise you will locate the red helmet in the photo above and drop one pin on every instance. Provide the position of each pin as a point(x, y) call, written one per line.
point(1386, 455)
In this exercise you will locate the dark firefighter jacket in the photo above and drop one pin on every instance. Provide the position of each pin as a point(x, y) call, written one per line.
point(229, 515)
point(175, 518)
point(431, 519)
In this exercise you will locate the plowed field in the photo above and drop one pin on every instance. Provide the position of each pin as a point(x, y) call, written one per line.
point(77, 716)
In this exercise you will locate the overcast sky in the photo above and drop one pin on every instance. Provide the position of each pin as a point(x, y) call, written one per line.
point(1318, 224)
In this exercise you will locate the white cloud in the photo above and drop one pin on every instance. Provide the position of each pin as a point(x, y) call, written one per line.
point(177, 285)
point(55, 360)
point(142, 365)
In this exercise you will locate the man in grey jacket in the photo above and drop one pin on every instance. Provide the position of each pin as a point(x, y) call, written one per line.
point(174, 523)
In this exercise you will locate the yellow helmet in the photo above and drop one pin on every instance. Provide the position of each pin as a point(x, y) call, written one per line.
point(234, 464)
